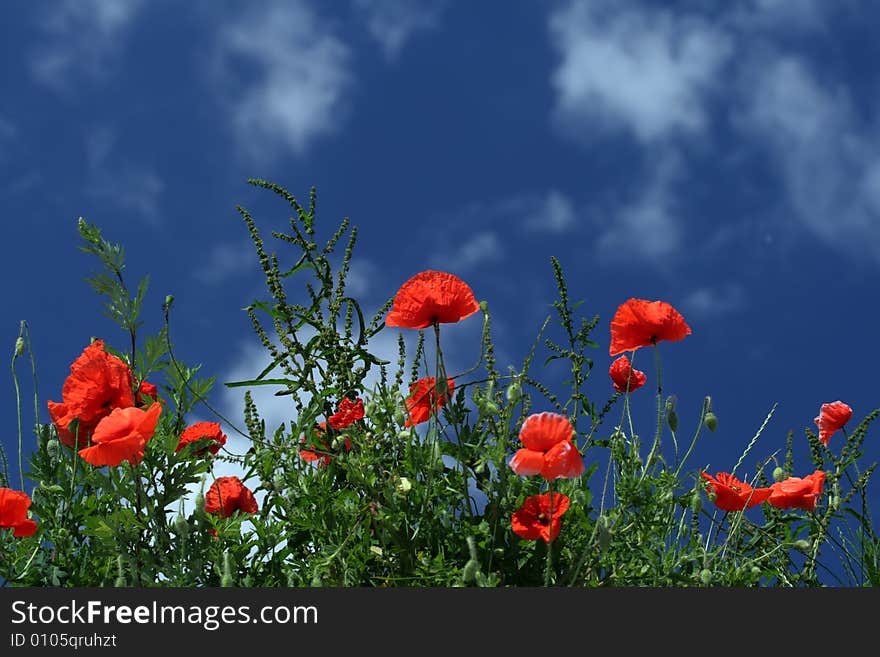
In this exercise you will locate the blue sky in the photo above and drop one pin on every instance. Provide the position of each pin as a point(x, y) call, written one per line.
point(721, 156)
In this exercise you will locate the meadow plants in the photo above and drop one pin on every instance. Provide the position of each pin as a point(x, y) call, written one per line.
point(402, 473)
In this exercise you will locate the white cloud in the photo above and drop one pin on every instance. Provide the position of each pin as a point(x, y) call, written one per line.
point(554, 214)
point(82, 37)
point(827, 159)
point(715, 301)
point(297, 76)
point(648, 227)
point(484, 246)
point(226, 260)
point(625, 66)
point(394, 22)
point(129, 186)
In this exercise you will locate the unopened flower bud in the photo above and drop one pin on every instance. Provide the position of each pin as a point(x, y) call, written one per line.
point(19, 347)
point(226, 579)
point(491, 407)
point(181, 526)
point(200, 502)
point(671, 415)
point(706, 576)
point(802, 545)
point(53, 447)
point(404, 485)
point(711, 421)
point(484, 306)
point(778, 474)
point(756, 571)
point(696, 503)
point(603, 533)
point(513, 392)
point(469, 572)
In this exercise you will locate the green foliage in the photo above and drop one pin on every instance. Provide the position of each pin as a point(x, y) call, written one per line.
point(393, 505)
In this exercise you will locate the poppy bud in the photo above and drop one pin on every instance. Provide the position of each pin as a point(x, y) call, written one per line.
point(696, 503)
point(399, 417)
point(706, 576)
point(405, 434)
point(226, 579)
point(181, 526)
point(404, 485)
point(603, 533)
point(711, 421)
point(491, 407)
point(756, 571)
point(835, 502)
point(370, 408)
point(470, 570)
point(778, 474)
point(169, 299)
point(484, 306)
point(200, 502)
point(19, 347)
point(671, 415)
point(802, 545)
point(53, 447)
point(513, 392)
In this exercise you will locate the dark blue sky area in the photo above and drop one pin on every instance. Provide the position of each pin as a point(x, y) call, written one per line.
point(719, 156)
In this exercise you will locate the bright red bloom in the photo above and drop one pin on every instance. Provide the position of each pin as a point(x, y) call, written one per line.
point(431, 297)
point(540, 517)
point(731, 494)
point(122, 436)
point(549, 450)
point(199, 431)
point(98, 383)
point(831, 418)
point(347, 413)
point(641, 323)
point(145, 391)
point(323, 458)
point(13, 512)
point(228, 495)
point(623, 374)
point(423, 398)
point(797, 492)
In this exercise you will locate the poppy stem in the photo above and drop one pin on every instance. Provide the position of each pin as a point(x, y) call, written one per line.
point(548, 568)
point(656, 442)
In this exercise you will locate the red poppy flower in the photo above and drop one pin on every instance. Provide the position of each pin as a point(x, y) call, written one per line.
point(13, 513)
point(640, 323)
point(731, 494)
point(540, 517)
point(549, 450)
point(623, 374)
point(145, 391)
point(831, 418)
point(203, 431)
point(347, 413)
point(431, 297)
point(228, 495)
point(323, 458)
point(423, 398)
point(797, 492)
point(98, 383)
point(122, 436)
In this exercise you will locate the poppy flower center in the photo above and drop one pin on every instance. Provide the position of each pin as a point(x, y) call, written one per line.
point(543, 519)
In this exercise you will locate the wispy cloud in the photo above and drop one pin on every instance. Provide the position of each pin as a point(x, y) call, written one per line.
point(715, 301)
point(649, 227)
point(482, 247)
point(283, 74)
point(826, 155)
point(630, 67)
point(226, 260)
point(111, 177)
point(554, 213)
point(81, 39)
point(392, 23)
